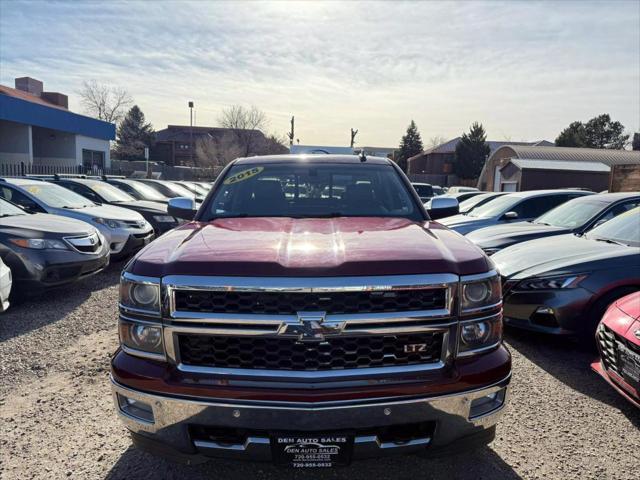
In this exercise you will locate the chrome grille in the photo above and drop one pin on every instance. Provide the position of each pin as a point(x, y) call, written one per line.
point(86, 243)
point(290, 303)
point(335, 353)
point(250, 326)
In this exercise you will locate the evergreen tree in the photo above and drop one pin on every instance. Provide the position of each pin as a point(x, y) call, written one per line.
point(599, 132)
point(471, 152)
point(133, 135)
point(410, 145)
point(572, 136)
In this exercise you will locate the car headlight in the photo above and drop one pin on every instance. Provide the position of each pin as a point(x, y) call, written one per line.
point(141, 337)
point(108, 222)
point(481, 293)
point(550, 283)
point(40, 243)
point(478, 335)
point(164, 219)
point(142, 294)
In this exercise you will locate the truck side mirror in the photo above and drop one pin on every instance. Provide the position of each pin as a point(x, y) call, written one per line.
point(182, 207)
point(441, 207)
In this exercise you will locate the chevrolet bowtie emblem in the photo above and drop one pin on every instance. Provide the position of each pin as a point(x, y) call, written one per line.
point(311, 327)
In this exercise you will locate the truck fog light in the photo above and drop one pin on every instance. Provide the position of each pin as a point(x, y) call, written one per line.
point(488, 403)
point(478, 336)
point(136, 408)
point(475, 333)
point(141, 337)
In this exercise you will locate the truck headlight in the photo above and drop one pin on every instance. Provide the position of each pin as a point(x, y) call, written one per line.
point(40, 243)
point(550, 283)
point(141, 337)
point(477, 294)
point(140, 293)
point(479, 335)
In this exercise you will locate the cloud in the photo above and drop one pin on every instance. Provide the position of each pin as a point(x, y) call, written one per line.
point(524, 69)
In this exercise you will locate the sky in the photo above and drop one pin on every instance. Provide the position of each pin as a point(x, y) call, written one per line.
point(525, 70)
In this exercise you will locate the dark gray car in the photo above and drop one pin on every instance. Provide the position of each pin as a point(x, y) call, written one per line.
point(513, 207)
point(45, 250)
point(563, 285)
point(575, 216)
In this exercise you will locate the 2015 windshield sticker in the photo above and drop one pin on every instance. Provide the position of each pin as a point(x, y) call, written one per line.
point(243, 175)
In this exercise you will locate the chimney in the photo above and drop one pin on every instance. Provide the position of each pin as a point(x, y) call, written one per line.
point(56, 98)
point(29, 85)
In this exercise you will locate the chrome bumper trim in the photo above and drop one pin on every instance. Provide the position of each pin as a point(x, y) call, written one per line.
point(172, 416)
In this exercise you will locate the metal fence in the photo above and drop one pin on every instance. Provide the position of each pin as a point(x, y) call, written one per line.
point(123, 168)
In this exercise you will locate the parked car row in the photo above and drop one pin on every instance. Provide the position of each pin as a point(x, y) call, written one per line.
point(59, 229)
point(573, 270)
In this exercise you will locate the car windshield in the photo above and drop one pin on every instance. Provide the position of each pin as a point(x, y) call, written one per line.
point(495, 207)
point(9, 210)
point(147, 192)
point(572, 214)
point(179, 190)
point(423, 190)
point(110, 193)
point(624, 228)
point(470, 203)
point(312, 190)
point(57, 197)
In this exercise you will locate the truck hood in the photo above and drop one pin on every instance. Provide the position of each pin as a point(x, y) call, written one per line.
point(563, 254)
point(508, 234)
point(310, 247)
point(44, 223)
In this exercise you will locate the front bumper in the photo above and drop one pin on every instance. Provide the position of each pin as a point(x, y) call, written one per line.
point(35, 270)
point(176, 419)
point(566, 315)
point(129, 243)
point(617, 383)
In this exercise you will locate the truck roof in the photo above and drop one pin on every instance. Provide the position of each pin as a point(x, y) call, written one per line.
point(310, 158)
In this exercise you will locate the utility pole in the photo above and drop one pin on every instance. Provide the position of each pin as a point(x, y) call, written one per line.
point(291, 133)
point(353, 136)
point(191, 131)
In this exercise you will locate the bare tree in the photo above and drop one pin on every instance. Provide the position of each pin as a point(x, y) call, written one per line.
point(435, 141)
point(104, 102)
point(247, 125)
point(212, 152)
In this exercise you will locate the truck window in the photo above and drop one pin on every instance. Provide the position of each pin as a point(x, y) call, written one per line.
point(312, 190)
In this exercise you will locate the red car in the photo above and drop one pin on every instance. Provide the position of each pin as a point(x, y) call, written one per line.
point(618, 339)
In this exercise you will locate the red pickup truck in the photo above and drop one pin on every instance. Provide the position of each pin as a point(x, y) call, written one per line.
point(308, 314)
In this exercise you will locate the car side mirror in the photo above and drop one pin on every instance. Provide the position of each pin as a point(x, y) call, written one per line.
point(441, 207)
point(510, 216)
point(182, 207)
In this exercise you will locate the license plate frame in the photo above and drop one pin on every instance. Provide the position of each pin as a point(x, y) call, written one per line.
point(311, 450)
point(629, 362)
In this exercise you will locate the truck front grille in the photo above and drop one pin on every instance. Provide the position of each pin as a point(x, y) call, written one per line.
point(334, 353)
point(289, 303)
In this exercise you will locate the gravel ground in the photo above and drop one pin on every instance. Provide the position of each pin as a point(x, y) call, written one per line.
point(57, 418)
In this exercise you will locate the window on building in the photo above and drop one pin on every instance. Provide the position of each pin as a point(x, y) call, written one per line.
point(92, 159)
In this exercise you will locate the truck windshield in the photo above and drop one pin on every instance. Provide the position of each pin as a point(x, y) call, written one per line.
point(309, 190)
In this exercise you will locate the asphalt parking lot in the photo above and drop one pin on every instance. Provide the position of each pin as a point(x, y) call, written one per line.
point(57, 419)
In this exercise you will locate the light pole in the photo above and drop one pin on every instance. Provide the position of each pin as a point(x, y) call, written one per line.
point(191, 131)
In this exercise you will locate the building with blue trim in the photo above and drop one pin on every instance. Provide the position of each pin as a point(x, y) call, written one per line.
point(37, 128)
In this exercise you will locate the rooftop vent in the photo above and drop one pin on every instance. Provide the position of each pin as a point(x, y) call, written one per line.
point(29, 85)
